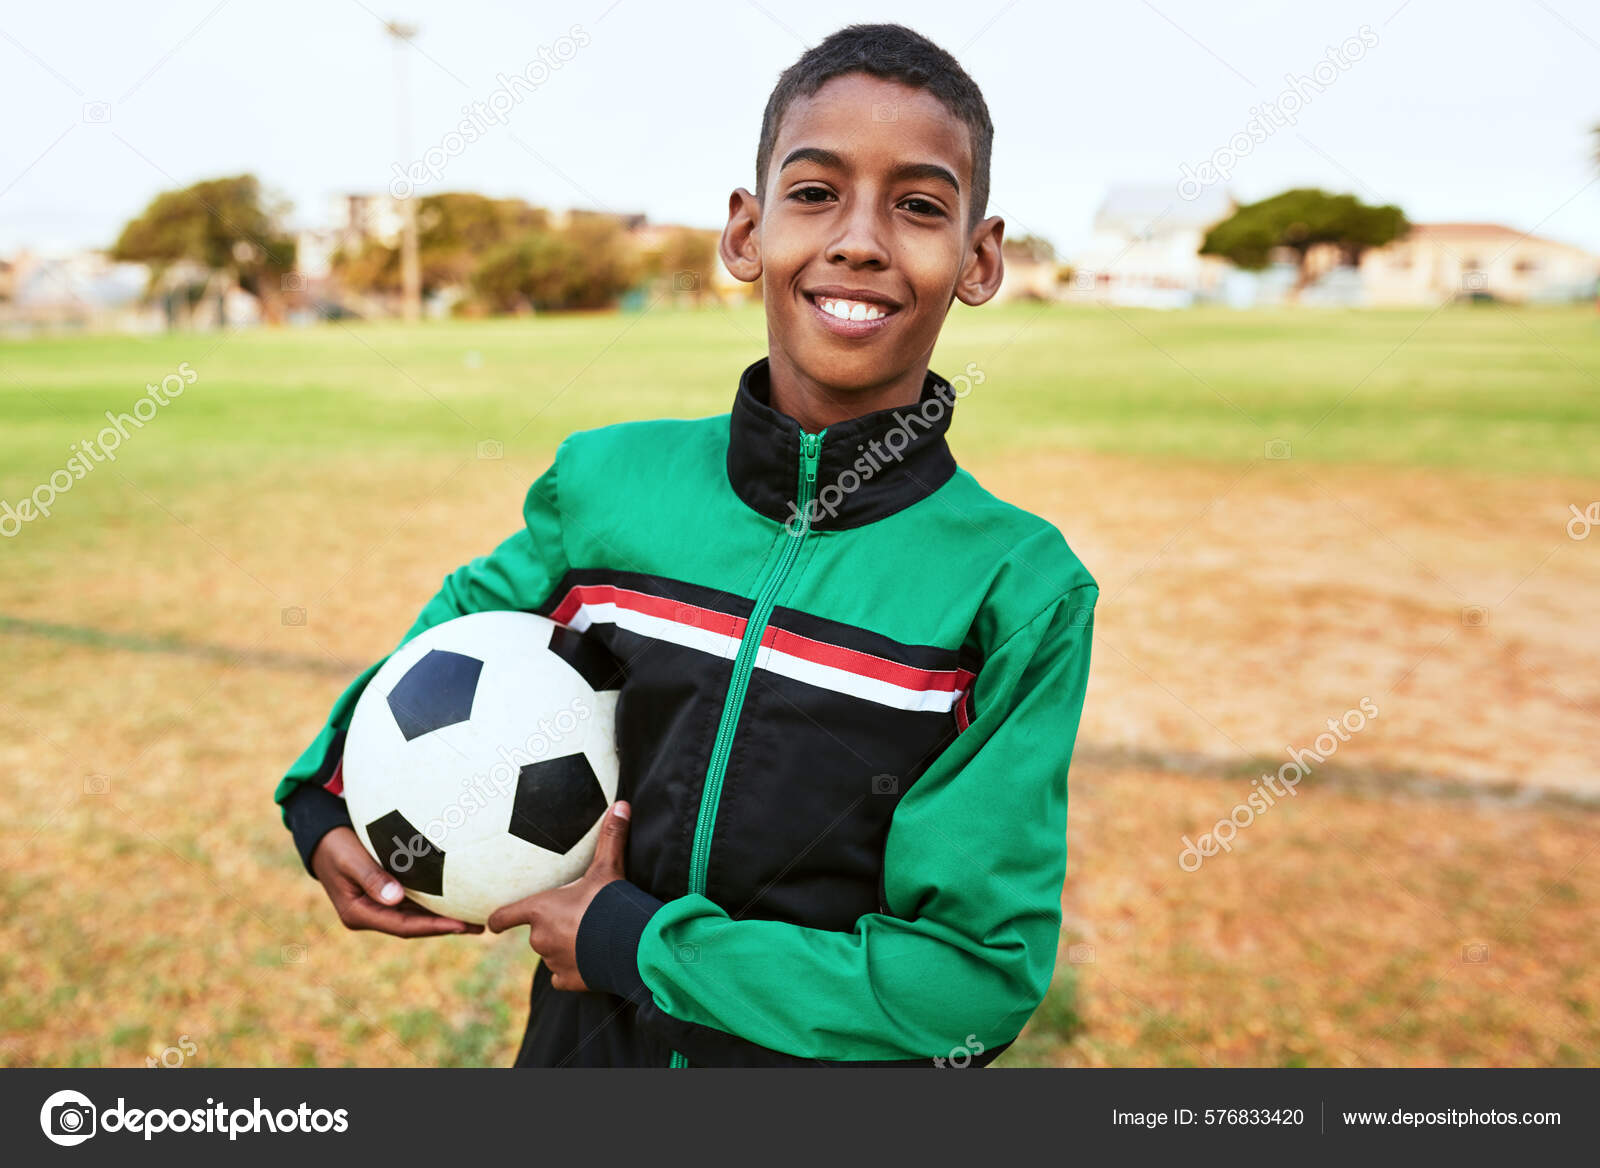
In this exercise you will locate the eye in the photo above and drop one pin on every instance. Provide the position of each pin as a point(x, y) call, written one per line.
point(805, 194)
point(923, 207)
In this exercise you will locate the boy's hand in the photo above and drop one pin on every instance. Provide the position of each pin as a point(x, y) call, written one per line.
point(367, 897)
point(553, 917)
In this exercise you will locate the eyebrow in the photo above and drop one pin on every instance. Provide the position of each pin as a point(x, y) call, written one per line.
point(925, 170)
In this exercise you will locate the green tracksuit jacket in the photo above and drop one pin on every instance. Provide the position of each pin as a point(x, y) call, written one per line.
point(853, 685)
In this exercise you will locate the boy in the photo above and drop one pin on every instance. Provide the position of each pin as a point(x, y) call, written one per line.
point(854, 677)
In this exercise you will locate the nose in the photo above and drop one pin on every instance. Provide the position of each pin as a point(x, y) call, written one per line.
point(859, 243)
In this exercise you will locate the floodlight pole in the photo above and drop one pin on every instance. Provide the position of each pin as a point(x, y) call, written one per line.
point(410, 267)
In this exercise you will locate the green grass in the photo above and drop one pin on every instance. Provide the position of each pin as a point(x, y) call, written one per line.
point(1493, 390)
point(310, 467)
point(1496, 390)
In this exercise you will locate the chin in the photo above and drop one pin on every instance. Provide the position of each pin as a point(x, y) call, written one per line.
point(849, 372)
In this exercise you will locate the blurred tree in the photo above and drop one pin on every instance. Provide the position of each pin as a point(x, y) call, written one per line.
point(587, 265)
point(530, 273)
point(228, 226)
point(686, 261)
point(1300, 220)
point(606, 265)
point(455, 230)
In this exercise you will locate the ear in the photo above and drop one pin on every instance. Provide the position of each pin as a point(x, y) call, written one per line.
point(984, 267)
point(741, 238)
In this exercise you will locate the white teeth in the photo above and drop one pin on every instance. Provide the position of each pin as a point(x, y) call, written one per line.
point(851, 309)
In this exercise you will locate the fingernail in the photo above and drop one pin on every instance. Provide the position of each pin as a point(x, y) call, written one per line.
point(621, 810)
point(390, 890)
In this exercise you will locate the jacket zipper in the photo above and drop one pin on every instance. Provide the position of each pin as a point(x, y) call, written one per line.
point(743, 665)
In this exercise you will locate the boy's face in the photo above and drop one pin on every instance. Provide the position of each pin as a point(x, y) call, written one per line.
point(862, 239)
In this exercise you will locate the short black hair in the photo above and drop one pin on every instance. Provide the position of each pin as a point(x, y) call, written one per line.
point(893, 51)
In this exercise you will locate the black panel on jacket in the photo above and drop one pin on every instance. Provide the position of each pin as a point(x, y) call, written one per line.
point(906, 456)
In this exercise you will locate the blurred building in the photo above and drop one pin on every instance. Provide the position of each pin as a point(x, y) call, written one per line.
point(628, 221)
point(350, 220)
point(1032, 271)
point(1439, 261)
point(80, 290)
point(356, 218)
point(1145, 249)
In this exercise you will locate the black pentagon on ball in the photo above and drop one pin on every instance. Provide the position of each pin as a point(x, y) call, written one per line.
point(406, 854)
point(435, 692)
point(557, 802)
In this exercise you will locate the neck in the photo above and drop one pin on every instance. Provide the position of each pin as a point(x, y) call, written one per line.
point(817, 406)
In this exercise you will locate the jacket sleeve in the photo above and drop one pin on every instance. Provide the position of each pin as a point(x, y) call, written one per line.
point(519, 574)
point(974, 866)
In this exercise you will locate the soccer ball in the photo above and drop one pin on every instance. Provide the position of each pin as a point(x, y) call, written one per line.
point(481, 758)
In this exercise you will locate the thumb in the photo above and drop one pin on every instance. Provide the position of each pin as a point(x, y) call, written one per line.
point(377, 883)
point(609, 852)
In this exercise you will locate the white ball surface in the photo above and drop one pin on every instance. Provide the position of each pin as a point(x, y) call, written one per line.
point(510, 765)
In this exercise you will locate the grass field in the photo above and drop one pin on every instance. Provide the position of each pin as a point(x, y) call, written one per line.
point(1287, 513)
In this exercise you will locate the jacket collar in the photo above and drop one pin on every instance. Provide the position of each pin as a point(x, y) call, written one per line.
point(870, 466)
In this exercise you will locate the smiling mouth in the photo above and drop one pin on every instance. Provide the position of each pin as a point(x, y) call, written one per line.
point(850, 318)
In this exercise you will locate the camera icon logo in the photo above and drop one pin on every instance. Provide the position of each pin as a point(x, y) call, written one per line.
point(490, 449)
point(1278, 448)
point(68, 1118)
point(686, 953)
point(293, 282)
point(885, 785)
point(686, 281)
point(96, 113)
point(293, 617)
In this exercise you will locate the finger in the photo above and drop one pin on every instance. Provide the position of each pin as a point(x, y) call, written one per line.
point(403, 921)
point(412, 908)
point(363, 870)
point(609, 852)
point(362, 912)
point(520, 912)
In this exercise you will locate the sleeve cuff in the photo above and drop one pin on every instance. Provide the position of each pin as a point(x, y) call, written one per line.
point(607, 945)
point(311, 813)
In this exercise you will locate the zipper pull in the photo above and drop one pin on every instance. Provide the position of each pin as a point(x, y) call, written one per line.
point(810, 454)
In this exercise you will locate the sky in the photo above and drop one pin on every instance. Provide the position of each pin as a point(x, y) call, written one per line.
point(1454, 110)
